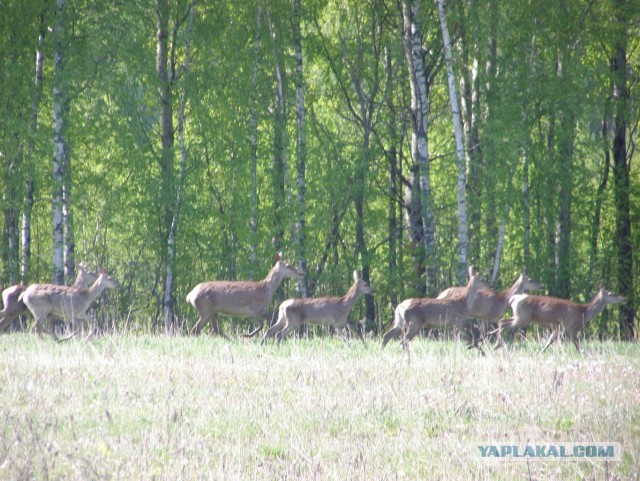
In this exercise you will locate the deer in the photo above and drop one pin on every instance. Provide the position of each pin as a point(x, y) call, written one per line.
point(67, 302)
point(331, 311)
point(489, 305)
point(238, 298)
point(13, 307)
point(411, 315)
point(554, 313)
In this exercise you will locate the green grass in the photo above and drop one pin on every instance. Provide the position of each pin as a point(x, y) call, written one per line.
point(134, 407)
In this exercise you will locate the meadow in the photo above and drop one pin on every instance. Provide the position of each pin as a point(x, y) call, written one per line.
point(184, 408)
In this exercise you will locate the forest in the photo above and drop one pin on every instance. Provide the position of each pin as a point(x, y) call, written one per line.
point(174, 142)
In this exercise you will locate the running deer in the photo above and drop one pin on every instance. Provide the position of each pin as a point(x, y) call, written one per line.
point(412, 315)
point(238, 298)
point(66, 302)
point(331, 311)
point(14, 307)
point(554, 313)
point(490, 305)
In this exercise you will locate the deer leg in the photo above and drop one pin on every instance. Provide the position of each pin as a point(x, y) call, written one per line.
point(203, 321)
point(256, 330)
point(52, 330)
point(273, 330)
point(502, 325)
point(414, 329)
point(216, 327)
point(574, 338)
point(4, 322)
point(343, 332)
point(553, 335)
point(288, 328)
point(391, 334)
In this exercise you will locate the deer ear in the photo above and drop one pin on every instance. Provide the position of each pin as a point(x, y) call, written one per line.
point(277, 258)
point(470, 270)
point(356, 276)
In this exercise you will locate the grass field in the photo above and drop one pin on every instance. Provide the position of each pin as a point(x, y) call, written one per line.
point(179, 408)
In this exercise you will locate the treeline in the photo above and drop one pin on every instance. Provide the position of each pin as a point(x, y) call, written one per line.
point(179, 141)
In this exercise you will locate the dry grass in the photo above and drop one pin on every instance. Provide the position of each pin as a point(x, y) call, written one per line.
point(127, 407)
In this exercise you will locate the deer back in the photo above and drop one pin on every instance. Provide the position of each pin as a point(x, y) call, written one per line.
point(235, 298)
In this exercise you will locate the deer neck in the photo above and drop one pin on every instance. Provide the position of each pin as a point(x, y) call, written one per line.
point(595, 307)
point(273, 280)
point(516, 288)
point(352, 294)
point(472, 292)
point(95, 289)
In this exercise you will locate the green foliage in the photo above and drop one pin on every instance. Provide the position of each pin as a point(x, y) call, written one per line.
point(357, 108)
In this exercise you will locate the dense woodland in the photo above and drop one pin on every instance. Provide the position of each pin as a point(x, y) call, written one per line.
point(174, 142)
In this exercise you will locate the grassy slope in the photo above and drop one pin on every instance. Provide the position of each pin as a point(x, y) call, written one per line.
point(185, 408)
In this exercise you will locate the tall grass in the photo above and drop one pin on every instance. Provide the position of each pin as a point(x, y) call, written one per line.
point(177, 408)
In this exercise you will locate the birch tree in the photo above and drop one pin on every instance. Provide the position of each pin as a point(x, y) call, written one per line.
point(33, 124)
point(60, 149)
point(418, 79)
point(301, 149)
point(168, 299)
point(280, 167)
point(253, 122)
point(461, 272)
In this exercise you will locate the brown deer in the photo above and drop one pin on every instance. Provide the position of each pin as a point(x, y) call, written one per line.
point(66, 302)
point(14, 307)
point(489, 305)
point(412, 315)
point(331, 311)
point(238, 298)
point(554, 313)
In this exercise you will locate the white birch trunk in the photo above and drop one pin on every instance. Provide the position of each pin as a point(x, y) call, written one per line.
point(281, 181)
point(168, 304)
point(301, 151)
point(59, 144)
point(500, 246)
point(254, 149)
point(412, 39)
point(459, 137)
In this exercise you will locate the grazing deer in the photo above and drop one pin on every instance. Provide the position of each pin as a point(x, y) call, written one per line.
point(412, 315)
point(66, 302)
point(238, 298)
point(14, 307)
point(554, 313)
point(489, 305)
point(332, 311)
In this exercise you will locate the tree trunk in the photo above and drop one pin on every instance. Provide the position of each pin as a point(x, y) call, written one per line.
point(60, 150)
point(526, 209)
point(491, 230)
point(301, 151)
point(500, 246)
point(564, 157)
point(279, 141)
point(470, 105)
point(33, 124)
point(621, 182)
point(168, 309)
point(165, 71)
point(10, 198)
point(361, 243)
point(254, 148)
point(392, 157)
point(461, 272)
point(597, 209)
point(418, 77)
